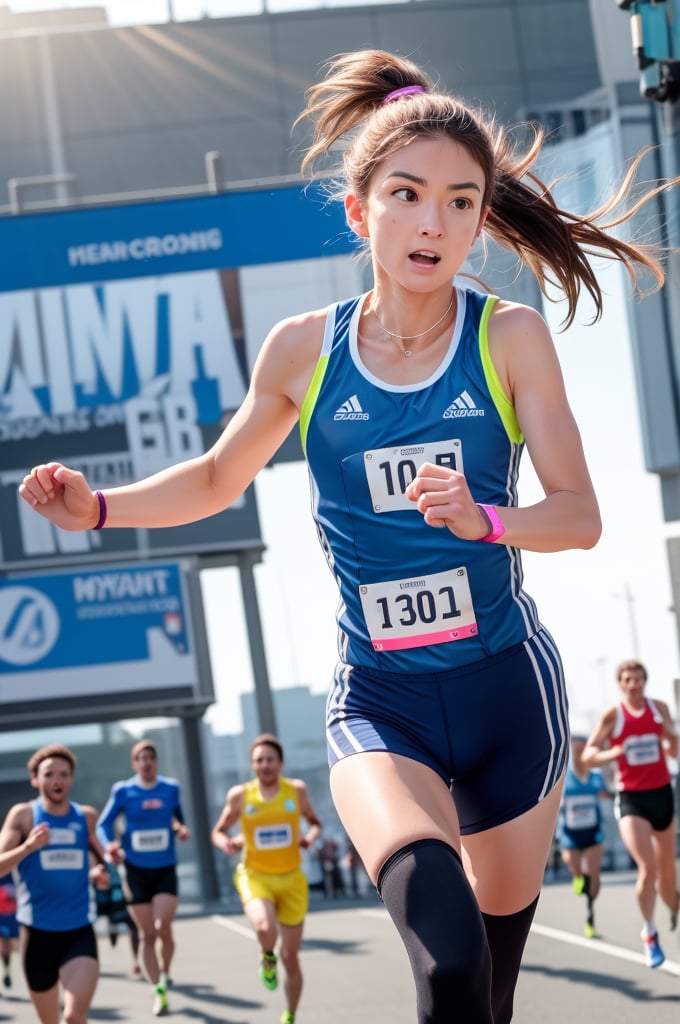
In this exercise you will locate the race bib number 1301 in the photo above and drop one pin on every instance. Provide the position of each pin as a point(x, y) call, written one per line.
point(434, 609)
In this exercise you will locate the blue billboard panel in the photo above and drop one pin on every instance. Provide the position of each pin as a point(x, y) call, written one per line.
point(122, 351)
point(231, 229)
point(123, 633)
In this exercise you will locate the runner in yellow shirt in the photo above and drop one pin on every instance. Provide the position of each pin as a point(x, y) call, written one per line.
point(269, 879)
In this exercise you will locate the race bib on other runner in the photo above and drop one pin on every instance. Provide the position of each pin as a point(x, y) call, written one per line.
point(150, 840)
point(62, 836)
point(580, 812)
point(61, 860)
point(273, 837)
point(422, 610)
point(641, 749)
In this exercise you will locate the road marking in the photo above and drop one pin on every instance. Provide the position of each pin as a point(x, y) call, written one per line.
point(233, 926)
point(593, 945)
point(597, 946)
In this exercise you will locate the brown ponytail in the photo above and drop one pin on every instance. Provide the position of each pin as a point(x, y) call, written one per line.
point(348, 107)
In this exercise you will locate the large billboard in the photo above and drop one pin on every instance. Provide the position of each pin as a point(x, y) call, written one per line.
point(123, 350)
point(94, 644)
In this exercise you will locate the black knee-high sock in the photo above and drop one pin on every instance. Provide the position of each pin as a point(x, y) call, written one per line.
point(507, 938)
point(425, 890)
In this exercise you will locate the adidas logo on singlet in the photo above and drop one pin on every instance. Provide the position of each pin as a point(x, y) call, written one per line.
point(462, 406)
point(351, 410)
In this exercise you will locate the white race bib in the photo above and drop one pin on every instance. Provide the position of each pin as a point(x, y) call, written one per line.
point(580, 812)
point(61, 860)
point(434, 609)
point(150, 840)
point(62, 836)
point(389, 471)
point(273, 837)
point(642, 749)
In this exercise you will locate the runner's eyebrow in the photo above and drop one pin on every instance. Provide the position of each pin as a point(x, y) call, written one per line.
point(454, 187)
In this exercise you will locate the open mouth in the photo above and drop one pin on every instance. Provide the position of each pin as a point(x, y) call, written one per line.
point(424, 258)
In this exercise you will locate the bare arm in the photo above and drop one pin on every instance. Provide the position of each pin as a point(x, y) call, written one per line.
point(98, 873)
point(670, 734)
point(529, 373)
point(19, 838)
point(309, 814)
point(231, 812)
point(598, 750)
point(200, 487)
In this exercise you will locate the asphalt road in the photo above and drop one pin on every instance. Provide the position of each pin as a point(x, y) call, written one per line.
point(356, 970)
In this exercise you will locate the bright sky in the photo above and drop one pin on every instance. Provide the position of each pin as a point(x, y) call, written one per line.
point(137, 12)
point(602, 606)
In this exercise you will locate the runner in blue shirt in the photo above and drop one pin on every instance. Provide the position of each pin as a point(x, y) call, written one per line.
point(579, 828)
point(47, 844)
point(149, 803)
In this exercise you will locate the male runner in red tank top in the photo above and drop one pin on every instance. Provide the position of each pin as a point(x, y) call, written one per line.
point(637, 734)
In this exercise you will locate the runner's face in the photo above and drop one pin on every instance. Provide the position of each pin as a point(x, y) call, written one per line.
point(54, 779)
point(632, 683)
point(266, 763)
point(423, 213)
point(145, 765)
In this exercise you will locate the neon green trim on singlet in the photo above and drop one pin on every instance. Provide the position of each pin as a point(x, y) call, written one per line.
point(504, 406)
point(310, 399)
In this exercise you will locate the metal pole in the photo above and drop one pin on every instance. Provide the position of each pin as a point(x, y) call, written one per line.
point(214, 169)
point(263, 694)
point(630, 604)
point(210, 889)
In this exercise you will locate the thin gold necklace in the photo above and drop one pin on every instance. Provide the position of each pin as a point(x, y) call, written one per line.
point(411, 337)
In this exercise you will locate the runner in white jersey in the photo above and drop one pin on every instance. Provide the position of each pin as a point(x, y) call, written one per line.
point(447, 723)
point(48, 844)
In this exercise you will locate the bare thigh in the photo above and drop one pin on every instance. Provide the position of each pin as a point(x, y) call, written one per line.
point(386, 801)
point(79, 980)
point(637, 834)
point(164, 908)
point(506, 864)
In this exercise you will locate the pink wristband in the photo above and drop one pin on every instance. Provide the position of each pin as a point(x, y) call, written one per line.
point(102, 510)
point(496, 528)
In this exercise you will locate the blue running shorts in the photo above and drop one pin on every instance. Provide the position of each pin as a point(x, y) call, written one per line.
point(495, 731)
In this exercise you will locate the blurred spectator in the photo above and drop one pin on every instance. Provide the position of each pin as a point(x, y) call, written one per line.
point(351, 862)
point(9, 927)
point(111, 904)
point(329, 857)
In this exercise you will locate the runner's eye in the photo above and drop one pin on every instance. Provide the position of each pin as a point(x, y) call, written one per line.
point(405, 193)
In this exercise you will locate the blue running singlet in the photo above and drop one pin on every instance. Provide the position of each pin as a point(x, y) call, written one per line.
point(414, 598)
point(54, 893)
point(440, 647)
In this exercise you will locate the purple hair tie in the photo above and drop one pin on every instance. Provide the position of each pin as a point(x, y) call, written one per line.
point(406, 90)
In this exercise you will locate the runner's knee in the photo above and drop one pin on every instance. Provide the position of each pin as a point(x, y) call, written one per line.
point(430, 900)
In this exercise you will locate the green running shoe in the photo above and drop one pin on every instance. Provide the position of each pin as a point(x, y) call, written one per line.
point(287, 1017)
point(268, 975)
point(160, 1002)
point(579, 885)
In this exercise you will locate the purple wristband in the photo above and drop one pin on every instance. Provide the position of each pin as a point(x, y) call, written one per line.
point(496, 528)
point(102, 510)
